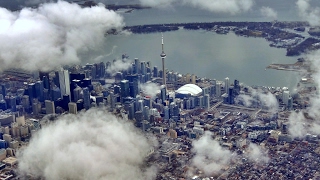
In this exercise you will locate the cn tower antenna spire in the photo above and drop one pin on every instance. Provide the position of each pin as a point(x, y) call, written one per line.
point(163, 56)
point(162, 43)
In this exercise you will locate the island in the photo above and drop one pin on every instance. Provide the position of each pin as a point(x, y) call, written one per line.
point(287, 35)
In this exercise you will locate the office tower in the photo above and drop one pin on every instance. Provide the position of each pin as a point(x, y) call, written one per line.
point(148, 102)
point(214, 86)
point(285, 97)
point(140, 105)
point(146, 114)
point(3, 90)
point(171, 106)
point(79, 104)
point(50, 108)
point(86, 82)
point(236, 87)
point(31, 91)
point(193, 79)
point(166, 113)
point(145, 125)
point(65, 101)
point(46, 83)
point(102, 70)
point(206, 101)
point(86, 98)
point(134, 89)
point(163, 94)
point(56, 79)
point(3, 105)
point(137, 66)
point(39, 90)
point(148, 77)
point(290, 103)
point(77, 94)
point(36, 107)
point(118, 77)
point(218, 89)
point(124, 88)
point(131, 111)
point(226, 85)
point(64, 81)
point(200, 101)
point(163, 56)
point(72, 108)
point(155, 71)
point(46, 94)
point(231, 95)
point(25, 103)
point(13, 103)
point(55, 93)
point(138, 115)
point(93, 70)
point(143, 67)
point(188, 78)
point(99, 100)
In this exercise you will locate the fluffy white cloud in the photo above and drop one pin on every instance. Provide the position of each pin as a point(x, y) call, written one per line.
point(52, 35)
point(150, 89)
point(257, 154)
point(219, 6)
point(90, 145)
point(309, 13)
point(269, 12)
point(209, 157)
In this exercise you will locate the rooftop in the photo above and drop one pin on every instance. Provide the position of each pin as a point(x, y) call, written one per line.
point(189, 89)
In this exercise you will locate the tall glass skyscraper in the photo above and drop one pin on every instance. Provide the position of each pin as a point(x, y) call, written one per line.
point(64, 81)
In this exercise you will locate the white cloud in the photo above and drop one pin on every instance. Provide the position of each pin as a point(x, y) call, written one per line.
point(218, 6)
point(267, 100)
point(309, 13)
point(257, 154)
point(209, 157)
point(299, 125)
point(119, 65)
point(222, 6)
point(52, 35)
point(90, 145)
point(269, 13)
point(157, 3)
point(150, 89)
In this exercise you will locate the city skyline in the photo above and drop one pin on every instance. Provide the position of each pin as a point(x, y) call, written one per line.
point(195, 118)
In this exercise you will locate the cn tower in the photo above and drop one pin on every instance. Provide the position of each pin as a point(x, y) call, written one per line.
point(163, 56)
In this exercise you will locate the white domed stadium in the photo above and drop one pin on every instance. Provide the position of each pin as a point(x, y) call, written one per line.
point(188, 90)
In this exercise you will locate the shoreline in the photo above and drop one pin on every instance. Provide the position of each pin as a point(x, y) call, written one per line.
point(275, 33)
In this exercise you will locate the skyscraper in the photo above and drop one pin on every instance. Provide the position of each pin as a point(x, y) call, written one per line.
point(39, 90)
point(86, 98)
point(31, 91)
point(13, 103)
point(64, 81)
point(124, 88)
point(226, 85)
point(163, 56)
point(72, 107)
point(49, 105)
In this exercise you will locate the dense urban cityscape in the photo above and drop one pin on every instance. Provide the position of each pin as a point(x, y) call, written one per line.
point(125, 118)
point(247, 126)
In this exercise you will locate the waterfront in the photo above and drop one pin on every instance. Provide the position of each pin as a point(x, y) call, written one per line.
point(208, 54)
